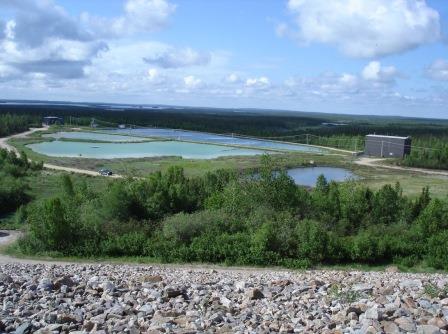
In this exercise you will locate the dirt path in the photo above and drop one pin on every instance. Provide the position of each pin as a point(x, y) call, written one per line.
point(377, 163)
point(4, 144)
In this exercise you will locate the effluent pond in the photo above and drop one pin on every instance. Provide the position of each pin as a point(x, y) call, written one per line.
point(195, 136)
point(142, 143)
point(138, 150)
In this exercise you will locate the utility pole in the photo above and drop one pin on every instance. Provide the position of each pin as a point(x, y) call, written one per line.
point(307, 139)
point(382, 147)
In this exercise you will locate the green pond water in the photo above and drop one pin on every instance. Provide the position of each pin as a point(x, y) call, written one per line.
point(138, 150)
point(93, 136)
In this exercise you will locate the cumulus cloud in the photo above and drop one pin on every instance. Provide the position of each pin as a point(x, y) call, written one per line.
point(43, 39)
point(374, 71)
point(153, 73)
point(139, 16)
point(233, 78)
point(373, 80)
point(36, 21)
point(438, 70)
point(364, 29)
point(191, 81)
point(258, 82)
point(176, 58)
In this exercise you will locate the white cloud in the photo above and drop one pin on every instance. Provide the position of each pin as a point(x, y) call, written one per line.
point(374, 71)
point(42, 40)
point(233, 78)
point(257, 82)
point(365, 29)
point(191, 81)
point(176, 58)
point(139, 16)
point(153, 73)
point(438, 70)
point(348, 79)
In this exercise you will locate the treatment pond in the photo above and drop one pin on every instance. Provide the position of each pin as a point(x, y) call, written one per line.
point(143, 143)
point(138, 150)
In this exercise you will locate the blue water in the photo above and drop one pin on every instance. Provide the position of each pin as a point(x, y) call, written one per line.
point(138, 150)
point(93, 136)
point(307, 176)
point(216, 139)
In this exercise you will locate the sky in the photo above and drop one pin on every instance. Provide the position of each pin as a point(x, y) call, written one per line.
point(381, 57)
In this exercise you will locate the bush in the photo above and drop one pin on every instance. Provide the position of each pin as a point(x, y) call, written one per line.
point(438, 250)
point(312, 239)
point(129, 244)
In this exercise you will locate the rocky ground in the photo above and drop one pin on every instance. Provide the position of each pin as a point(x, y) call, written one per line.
point(46, 298)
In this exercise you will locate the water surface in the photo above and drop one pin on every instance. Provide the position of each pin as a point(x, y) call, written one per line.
point(138, 150)
point(307, 176)
point(196, 136)
point(93, 136)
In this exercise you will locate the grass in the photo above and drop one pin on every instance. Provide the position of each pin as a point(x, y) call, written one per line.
point(411, 182)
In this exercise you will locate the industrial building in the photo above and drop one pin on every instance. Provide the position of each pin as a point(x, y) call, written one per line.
point(387, 146)
point(51, 120)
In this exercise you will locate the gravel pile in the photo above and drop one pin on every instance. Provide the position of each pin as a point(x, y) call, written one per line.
point(133, 299)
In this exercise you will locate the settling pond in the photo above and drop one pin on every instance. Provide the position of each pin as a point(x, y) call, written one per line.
point(204, 137)
point(138, 150)
point(307, 176)
point(133, 143)
point(93, 136)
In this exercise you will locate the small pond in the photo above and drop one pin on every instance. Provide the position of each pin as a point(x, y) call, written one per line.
point(138, 150)
point(307, 176)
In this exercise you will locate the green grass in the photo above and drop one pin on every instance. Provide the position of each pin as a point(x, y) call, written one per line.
point(411, 182)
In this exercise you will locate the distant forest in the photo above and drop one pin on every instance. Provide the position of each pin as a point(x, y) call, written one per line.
point(341, 131)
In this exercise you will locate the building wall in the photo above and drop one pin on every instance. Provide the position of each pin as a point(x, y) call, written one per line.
point(387, 147)
point(52, 120)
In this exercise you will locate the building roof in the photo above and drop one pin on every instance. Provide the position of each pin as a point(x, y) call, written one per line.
point(392, 137)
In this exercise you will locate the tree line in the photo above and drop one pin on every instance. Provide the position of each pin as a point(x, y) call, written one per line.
point(15, 123)
point(225, 217)
point(428, 152)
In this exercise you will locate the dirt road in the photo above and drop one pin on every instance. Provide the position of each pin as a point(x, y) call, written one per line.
point(4, 144)
point(377, 163)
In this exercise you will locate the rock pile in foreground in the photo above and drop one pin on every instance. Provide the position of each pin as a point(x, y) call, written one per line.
point(131, 299)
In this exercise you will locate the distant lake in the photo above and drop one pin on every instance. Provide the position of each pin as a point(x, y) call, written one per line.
point(138, 150)
point(307, 176)
point(197, 136)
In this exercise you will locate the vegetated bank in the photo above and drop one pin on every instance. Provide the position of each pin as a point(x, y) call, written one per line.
point(14, 190)
point(224, 217)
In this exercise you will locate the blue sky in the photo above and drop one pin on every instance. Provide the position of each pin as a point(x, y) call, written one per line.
point(347, 56)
